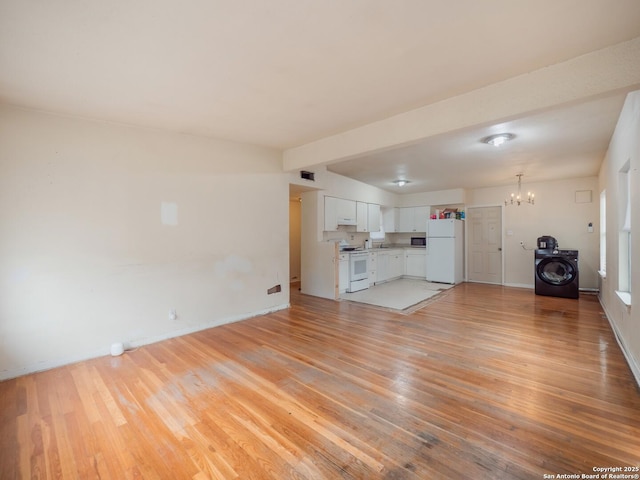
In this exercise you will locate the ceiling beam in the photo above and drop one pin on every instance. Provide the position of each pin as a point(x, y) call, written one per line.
point(611, 70)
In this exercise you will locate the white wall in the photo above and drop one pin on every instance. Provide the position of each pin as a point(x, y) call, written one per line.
point(555, 213)
point(344, 187)
point(440, 197)
point(624, 146)
point(87, 257)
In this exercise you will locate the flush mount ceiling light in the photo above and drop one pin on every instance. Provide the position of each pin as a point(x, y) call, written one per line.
point(401, 183)
point(516, 198)
point(498, 139)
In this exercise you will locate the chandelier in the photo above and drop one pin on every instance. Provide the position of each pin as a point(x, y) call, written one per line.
point(516, 198)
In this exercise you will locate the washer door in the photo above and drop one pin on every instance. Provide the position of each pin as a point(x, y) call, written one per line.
point(556, 271)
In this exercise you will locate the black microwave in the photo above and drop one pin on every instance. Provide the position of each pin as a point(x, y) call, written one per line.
point(418, 241)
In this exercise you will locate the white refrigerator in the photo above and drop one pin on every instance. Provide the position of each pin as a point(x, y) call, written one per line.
point(445, 251)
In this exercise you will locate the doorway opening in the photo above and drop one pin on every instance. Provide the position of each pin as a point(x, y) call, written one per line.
point(295, 234)
point(295, 243)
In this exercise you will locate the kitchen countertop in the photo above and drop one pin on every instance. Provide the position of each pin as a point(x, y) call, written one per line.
point(386, 248)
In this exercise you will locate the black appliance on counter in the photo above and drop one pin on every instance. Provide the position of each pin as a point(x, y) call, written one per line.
point(547, 242)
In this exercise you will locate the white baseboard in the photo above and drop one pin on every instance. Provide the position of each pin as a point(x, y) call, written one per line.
point(49, 364)
point(59, 362)
point(631, 361)
point(519, 285)
point(526, 285)
point(199, 328)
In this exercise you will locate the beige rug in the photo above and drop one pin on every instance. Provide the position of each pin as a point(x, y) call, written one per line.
point(404, 295)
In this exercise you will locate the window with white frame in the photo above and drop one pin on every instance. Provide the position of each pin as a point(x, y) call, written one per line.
point(624, 235)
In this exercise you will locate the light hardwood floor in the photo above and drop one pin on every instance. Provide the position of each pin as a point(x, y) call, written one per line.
point(487, 382)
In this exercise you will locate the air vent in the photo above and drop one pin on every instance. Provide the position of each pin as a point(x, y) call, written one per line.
point(308, 175)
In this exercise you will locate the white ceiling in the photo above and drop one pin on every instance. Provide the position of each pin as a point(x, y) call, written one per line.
point(282, 73)
point(566, 142)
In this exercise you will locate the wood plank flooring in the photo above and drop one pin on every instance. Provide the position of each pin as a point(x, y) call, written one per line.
point(486, 382)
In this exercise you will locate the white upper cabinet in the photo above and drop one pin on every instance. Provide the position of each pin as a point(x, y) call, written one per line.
point(413, 219)
point(421, 217)
point(374, 217)
point(338, 211)
point(330, 214)
point(346, 212)
point(368, 217)
point(390, 219)
point(405, 219)
point(362, 223)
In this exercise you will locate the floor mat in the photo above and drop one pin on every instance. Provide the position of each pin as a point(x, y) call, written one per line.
point(405, 295)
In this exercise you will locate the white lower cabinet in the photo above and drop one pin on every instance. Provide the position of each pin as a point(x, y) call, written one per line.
point(382, 267)
point(343, 272)
point(390, 265)
point(415, 263)
point(373, 265)
point(396, 264)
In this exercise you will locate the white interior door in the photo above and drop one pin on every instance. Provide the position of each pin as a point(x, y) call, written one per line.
point(484, 244)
